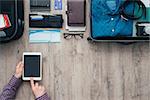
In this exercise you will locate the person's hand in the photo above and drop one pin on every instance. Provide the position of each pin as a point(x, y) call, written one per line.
point(37, 89)
point(19, 69)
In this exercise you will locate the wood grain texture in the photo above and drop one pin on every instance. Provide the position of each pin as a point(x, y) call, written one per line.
point(80, 70)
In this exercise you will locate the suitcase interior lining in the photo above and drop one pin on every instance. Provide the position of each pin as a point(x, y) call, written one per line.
point(10, 11)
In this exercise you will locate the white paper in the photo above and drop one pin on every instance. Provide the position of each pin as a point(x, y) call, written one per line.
point(2, 22)
point(44, 36)
point(55, 37)
point(40, 37)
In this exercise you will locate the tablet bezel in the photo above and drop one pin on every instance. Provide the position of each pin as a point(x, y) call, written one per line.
point(34, 78)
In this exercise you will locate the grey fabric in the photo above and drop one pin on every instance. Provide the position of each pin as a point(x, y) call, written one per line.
point(2, 34)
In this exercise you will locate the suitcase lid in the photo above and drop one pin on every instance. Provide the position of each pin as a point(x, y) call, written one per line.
point(15, 15)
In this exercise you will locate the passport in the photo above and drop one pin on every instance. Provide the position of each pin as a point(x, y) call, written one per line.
point(58, 4)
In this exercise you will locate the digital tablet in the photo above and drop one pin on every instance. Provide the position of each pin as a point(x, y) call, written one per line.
point(32, 66)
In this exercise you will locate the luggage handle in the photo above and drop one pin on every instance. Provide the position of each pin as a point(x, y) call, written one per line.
point(123, 43)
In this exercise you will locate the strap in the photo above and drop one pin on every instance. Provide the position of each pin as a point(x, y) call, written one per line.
point(132, 16)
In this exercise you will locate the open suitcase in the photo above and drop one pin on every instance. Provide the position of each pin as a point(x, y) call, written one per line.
point(124, 39)
point(14, 9)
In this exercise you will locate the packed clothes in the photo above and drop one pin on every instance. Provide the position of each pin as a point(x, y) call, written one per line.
point(107, 21)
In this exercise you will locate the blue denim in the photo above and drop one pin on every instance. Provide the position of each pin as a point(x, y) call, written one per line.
point(106, 20)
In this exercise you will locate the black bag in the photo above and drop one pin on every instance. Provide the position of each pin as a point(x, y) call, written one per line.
point(15, 11)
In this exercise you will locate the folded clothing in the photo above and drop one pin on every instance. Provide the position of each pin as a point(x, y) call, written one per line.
point(107, 21)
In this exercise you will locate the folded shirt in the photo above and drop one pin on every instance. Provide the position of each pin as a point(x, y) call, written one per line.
point(106, 20)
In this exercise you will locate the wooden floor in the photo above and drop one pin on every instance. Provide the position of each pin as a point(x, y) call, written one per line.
point(80, 70)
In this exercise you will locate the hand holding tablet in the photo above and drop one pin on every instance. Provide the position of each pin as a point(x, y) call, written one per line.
point(32, 66)
point(19, 69)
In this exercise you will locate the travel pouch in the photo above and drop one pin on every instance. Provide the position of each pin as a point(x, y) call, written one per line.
point(45, 21)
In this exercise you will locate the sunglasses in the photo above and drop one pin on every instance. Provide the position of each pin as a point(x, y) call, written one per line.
point(77, 36)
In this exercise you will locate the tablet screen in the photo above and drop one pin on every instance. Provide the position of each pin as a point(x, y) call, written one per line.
point(31, 65)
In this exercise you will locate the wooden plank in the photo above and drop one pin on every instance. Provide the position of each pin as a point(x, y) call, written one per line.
point(79, 70)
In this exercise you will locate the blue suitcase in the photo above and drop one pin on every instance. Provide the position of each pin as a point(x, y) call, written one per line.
point(97, 31)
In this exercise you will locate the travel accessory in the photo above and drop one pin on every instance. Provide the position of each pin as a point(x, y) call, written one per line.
point(77, 36)
point(147, 19)
point(40, 5)
point(12, 20)
point(143, 28)
point(58, 5)
point(44, 36)
point(139, 9)
point(76, 12)
point(4, 21)
point(32, 66)
point(45, 21)
point(73, 28)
